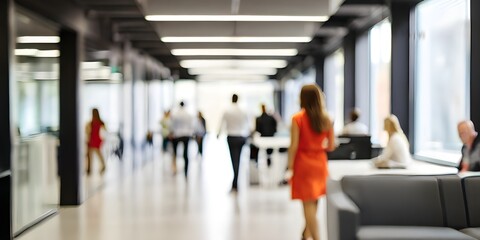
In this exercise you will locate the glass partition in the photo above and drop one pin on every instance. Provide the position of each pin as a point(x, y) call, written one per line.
point(441, 77)
point(334, 89)
point(35, 114)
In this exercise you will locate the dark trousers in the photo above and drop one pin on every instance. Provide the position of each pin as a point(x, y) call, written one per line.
point(165, 143)
point(183, 140)
point(235, 145)
point(200, 144)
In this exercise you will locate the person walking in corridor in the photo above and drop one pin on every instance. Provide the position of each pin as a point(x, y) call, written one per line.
point(235, 121)
point(94, 140)
point(181, 129)
point(311, 137)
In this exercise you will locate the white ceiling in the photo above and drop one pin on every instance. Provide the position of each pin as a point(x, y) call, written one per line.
point(228, 29)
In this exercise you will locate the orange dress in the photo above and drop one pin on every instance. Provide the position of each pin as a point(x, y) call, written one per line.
point(310, 168)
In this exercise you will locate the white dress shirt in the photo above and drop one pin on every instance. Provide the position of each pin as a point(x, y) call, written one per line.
point(182, 124)
point(235, 121)
point(396, 154)
point(355, 128)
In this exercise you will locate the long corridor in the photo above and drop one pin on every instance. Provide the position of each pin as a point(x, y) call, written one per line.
point(152, 203)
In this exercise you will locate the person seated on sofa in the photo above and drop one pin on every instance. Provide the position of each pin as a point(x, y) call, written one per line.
point(396, 154)
point(470, 160)
point(355, 127)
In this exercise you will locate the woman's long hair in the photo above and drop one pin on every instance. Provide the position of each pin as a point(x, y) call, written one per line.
point(312, 100)
point(392, 125)
point(96, 116)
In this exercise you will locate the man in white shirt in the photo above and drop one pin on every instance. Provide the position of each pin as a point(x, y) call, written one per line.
point(355, 127)
point(182, 128)
point(236, 125)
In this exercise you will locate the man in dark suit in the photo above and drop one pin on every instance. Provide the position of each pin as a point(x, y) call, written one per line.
point(266, 125)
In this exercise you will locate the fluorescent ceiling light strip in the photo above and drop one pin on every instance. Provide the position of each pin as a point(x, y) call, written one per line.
point(232, 71)
point(235, 39)
point(48, 53)
point(26, 52)
point(38, 39)
point(273, 63)
point(234, 52)
point(236, 18)
point(232, 77)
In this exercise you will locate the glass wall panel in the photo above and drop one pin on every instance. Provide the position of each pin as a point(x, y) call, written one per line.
point(102, 89)
point(441, 77)
point(380, 60)
point(334, 89)
point(292, 87)
point(35, 114)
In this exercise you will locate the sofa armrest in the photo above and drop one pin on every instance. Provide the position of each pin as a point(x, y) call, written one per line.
point(342, 213)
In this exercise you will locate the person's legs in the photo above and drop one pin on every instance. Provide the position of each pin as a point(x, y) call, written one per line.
point(89, 159)
point(235, 145)
point(185, 141)
point(310, 213)
point(200, 144)
point(164, 144)
point(174, 155)
point(102, 160)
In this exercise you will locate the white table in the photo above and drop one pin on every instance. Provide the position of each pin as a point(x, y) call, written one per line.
point(270, 176)
point(340, 168)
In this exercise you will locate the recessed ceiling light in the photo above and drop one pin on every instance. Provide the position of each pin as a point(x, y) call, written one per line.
point(38, 39)
point(48, 53)
point(232, 71)
point(225, 63)
point(236, 18)
point(235, 39)
point(232, 77)
point(26, 52)
point(234, 52)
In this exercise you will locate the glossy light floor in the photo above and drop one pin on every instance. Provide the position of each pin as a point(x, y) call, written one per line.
point(152, 203)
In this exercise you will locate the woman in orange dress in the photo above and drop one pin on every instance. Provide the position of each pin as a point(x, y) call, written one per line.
point(311, 137)
point(94, 141)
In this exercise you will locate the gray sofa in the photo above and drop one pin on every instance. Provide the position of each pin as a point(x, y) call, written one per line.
point(404, 207)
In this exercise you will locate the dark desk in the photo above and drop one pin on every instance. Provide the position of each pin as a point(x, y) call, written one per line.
point(352, 147)
point(5, 206)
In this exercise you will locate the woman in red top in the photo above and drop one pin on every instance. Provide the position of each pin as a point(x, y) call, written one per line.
point(311, 137)
point(94, 141)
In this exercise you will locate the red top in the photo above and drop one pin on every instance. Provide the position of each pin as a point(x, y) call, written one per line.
point(310, 168)
point(95, 141)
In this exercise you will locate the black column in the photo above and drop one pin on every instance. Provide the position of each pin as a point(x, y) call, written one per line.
point(70, 148)
point(319, 71)
point(475, 62)
point(6, 33)
point(401, 87)
point(349, 74)
point(5, 206)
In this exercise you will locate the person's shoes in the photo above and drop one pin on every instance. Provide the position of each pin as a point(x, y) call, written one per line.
point(283, 182)
point(269, 162)
point(234, 190)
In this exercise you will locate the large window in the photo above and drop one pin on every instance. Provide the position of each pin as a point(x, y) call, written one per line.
point(35, 115)
point(441, 77)
point(334, 89)
point(380, 60)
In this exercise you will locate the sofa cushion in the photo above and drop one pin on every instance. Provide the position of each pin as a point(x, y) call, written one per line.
point(396, 200)
point(409, 232)
point(474, 232)
point(472, 195)
point(453, 201)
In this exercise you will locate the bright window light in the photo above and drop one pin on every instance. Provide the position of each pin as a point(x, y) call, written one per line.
point(232, 71)
point(234, 52)
point(48, 53)
point(235, 18)
point(272, 63)
point(235, 39)
point(232, 78)
point(38, 39)
point(26, 52)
